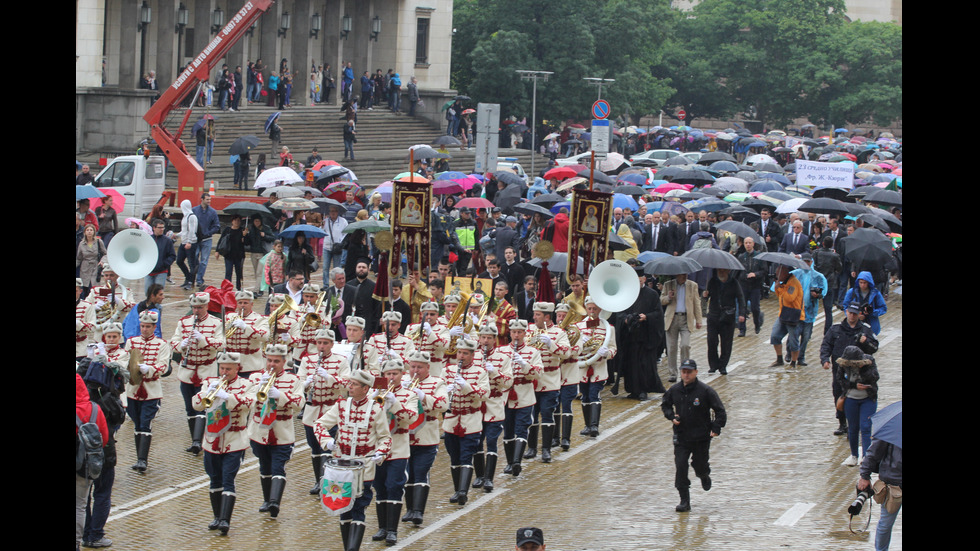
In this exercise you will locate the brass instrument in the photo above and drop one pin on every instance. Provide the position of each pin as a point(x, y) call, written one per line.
point(263, 394)
point(186, 353)
point(208, 400)
point(460, 312)
point(380, 398)
point(573, 316)
point(592, 345)
point(415, 384)
point(287, 305)
point(313, 318)
point(533, 339)
point(231, 331)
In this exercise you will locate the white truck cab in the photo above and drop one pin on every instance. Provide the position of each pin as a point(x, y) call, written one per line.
point(140, 180)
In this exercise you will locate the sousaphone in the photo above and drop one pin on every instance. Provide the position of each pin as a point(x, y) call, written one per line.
point(132, 254)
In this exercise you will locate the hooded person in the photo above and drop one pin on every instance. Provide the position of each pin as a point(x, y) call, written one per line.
point(869, 298)
point(188, 244)
point(556, 231)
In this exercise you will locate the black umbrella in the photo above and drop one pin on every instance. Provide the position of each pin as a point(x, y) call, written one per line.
point(873, 220)
point(758, 204)
point(630, 190)
point(445, 139)
point(424, 152)
point(598, 177)
point(532, 209)
point(617, 243)
point(573, 142)
point(463, 98)
point(741, 213)
point(671, 265)
point(893, 222)
point(868, 248)
point(712, 156)
point(508, 197)
point(856, 209)
point(644, 162)
point(883, 196)
point(859, 192)
point(739, 229)
point(324, 204)
point(668, 172)
point(823, 205)
point(768, 167)
point(691, 196)
point(679, 160)
point(247, 209)
point(548, 200)
point(723, 166)
point(693, 176)
point(330, 171)
point(833, 192)
point(714, 258)
point(509, 178)
point(243, 145)
point(785, 259)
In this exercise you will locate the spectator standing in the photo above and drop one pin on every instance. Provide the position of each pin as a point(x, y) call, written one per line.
point(367, 90)
point(232, 247)
point(236, 96)
point(90, 251)
point(86, 176)
point(207, 226)
point(165, 256)
point(350, 138)
point(258, 241)
point(332, 249)
point(108, 221)
point(394, 93)
point(83, 413)
point(413, 96)
point(884, 458)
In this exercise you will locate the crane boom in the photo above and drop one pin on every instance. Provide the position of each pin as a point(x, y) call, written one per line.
point(190, 175)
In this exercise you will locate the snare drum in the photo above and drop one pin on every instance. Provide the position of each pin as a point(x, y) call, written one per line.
point(342, 483)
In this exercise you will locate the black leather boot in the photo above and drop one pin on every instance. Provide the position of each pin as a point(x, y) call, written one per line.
point(555, 442)
point(532, 442)
point(409, 502)
point(421, 497)
point(197, 434)
point(266, 482)
point(317, 474)
point(191, 423)
point(547, 432)
point(465, 478)
point(345, 532)
point(455, 472)
point(215, 496)
point(488, 473)
point(518, 454)
point(381, 507)
point(394, 509)
point(594, 422)
point(566, 431)
point(143, 440)
point(478, 469)
point(509, 455)
point(354, 536)
point(685, 504)
point(276, 487)
point(586, 418)
point(227, 508)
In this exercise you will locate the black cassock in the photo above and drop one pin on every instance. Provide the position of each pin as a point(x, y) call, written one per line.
point(641, 343)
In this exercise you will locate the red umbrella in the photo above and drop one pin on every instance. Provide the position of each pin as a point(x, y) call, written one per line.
point(469, 111)
point(562, 172)
point(322, 164)
point(575, 126)
point(446, 187)
point(118, 201)
point(466, 183)
point(475, 203)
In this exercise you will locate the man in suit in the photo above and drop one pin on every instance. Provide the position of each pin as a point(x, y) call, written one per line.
point(795, 242)
point(292, 287)
point(513, 272)
point(768, 230)
point(367, 307)
point(682, 316)
point(690, 227)
point(504, 237)
point(524, 299)
point(340, 289)
point(656, 235)
point(399, 305)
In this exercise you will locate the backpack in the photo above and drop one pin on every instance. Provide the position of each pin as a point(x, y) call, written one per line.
point(89, 455)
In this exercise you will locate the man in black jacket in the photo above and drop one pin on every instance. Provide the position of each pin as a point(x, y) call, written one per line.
point(850, 331)
point(688, 405)
point(752, 279)
point(725, 298)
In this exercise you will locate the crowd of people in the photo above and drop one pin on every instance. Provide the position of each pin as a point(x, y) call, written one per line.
point(446, 366)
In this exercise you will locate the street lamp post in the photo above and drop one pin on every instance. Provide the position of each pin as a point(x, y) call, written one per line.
point(598, 82)
point(534, 76)
point(145, 19)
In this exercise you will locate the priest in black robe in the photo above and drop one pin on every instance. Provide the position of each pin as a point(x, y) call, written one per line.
point(641, 340)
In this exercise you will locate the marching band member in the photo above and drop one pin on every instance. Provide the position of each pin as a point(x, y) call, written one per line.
point(143, 399)
point(449, 303)
point(112, 299)
point(424, 442)
point(112, 339)
point(463, 422)
point(402, 407)
point(303, 330)
point(198, 338)
point(569, 385)
point(553, 344)
point(226, 439)
point(362, 432)
point(459, 332)
point(387, 344)
point(325, 376)
point(503, 312)
point(284, 329)
point(527, 367)
point(271, 428)
point(430, 336)
point(84, 321)
point(594, 374)
point(496, 362)
point(251, 331)
point(355, 337)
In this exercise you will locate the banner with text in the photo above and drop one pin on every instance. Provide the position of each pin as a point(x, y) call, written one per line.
point(817, 174)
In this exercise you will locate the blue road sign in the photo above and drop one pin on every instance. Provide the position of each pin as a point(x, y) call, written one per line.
point(600, 109)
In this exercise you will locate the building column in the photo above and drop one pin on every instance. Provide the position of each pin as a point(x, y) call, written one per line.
point(129, 42)
point(165, 20)
point(300, 55)
point(90, 17)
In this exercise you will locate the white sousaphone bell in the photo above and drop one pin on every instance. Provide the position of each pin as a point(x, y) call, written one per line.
point(614, 286)
point(132, 254)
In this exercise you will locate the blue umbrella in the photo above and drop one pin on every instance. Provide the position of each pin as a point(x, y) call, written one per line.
point(269, 121)
point(87, 192)
point(78, 165)
point(452, 175)
point(841, 130)
point(198, 125)
point(881, 178)
point(766, 185)
point(623, 201)
point(308, 231)
point(672, 208)
point(723, 166)
point(776, 177)
point(887, 424)
point(712, 205)
point(634, 178)
point(655, 183)
point(647, 256)
point(558, 206)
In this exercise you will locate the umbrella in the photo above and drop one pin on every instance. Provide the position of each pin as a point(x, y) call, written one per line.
point(294, 203)
point(691, 176)
point(322, 164)
point(768, 167)
point(886, 424)
point(785, 259)
point(466, 183)
point(551, 136)
point(679, 160)
point(370, 225)
point(270, 120)
point(671, 186)
point(647, 256)
point(712, 156)
point(559, 263)
point(624, 201)
point(462, 98)
point(313, 190)
point(572, 182)
point(510, 178)
point(867, 248)
point(385, 189)
point(445, 139)
point(200, 124)
point(823, 205)
point(310, 232)
point(282, 192)
point(741, 214)
point(451, 175)
point(443, 187)
point(711, 205)
point(508, 197)
point(329, 172)
point(475, 203)
point(883, 196)
point(832, 192)
point(671, 265)
point(791, 205)
point(740, 229)
point(723, 166)
point(613, 162)
point(633, 178)
point(597, 176)
point(87, 192)
point(247, 209)
point(548, 199)
point(714, 258)
point(561, 173)
point(856, 209)
point(282, 174)
point(758, 203)
point(243, 145)
point(737, 197)
point(873, 220)
point(556, 208)
point(766, 185)
point(324, 204)
point(424, 152)
point(629, 190)
point(760, 158)
point(142, 225)
point(731, 183)
point(338, 187)
point(532, 209)
point(447, 105)
point(118, 200)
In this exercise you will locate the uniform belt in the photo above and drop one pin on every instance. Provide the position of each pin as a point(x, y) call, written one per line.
point(556, 368)
point(464, 411)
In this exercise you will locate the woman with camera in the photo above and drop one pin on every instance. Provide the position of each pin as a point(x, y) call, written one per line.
point(858, 377)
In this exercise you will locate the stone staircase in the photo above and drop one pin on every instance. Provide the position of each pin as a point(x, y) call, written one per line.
point(383, 139)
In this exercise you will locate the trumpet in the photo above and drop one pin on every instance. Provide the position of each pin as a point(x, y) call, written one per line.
point(313, 319)
point(232, 330)
point(263, 394)
point(208, 400)
point(415, 383)
point(380, 398)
